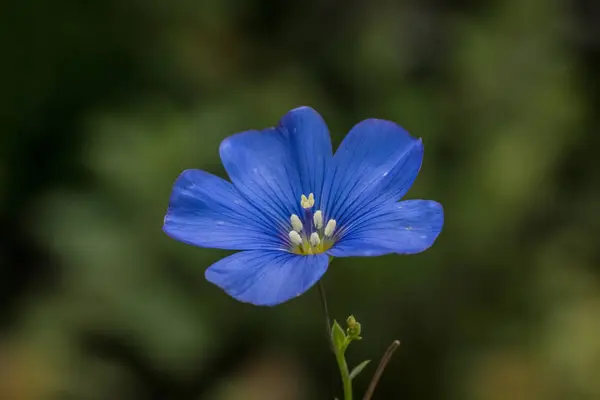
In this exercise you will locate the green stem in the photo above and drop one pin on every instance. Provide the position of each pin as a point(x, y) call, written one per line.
point(345, 374)
point(339, 354)
point(326, 312)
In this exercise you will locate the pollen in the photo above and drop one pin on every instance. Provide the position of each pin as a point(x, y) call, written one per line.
point(315, 240)
point(318, 219)
point(330, 228)
point(307, 202)
point(309, 234)
point(295, 238)
point(296, 223)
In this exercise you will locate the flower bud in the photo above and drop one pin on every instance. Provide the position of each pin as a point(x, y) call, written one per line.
point(353, 330)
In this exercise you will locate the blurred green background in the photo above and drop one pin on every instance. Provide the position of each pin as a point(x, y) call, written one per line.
point(104, 102)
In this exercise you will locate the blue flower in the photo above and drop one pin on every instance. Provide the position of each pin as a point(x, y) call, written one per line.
point(292, 204)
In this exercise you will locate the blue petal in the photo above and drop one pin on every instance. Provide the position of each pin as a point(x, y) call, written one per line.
point(406, 227)
point(207, 211)
point(311, 147)
point(267, 278)
point(376, 163)
point(261, 168)
point(272, 168)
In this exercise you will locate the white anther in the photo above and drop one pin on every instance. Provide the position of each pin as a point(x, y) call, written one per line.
point(296, 223)
point(330, 228)
point(295, 238)
point(307, 202)
point(315, 240)
point(318, 219)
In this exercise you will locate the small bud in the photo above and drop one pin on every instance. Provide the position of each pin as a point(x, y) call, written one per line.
point(351, 321)
point(296, 223)
point(353, 330)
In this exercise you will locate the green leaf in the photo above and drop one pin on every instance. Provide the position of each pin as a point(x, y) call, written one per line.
point(358, 369)
point(338, 337)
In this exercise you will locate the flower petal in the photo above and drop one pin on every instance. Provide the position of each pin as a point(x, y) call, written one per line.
point(406, 227)
point(267, 277)
point(205, 210)
point(377, 162)
point(261, 168)
point(272, 168)
point(311, 147)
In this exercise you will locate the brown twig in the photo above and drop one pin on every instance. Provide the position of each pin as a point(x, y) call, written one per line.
point(380, 368)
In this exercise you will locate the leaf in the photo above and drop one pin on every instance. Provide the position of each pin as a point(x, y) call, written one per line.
point(358, 369)
point(338, 336)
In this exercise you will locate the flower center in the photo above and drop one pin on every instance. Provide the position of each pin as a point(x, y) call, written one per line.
point(309, 235)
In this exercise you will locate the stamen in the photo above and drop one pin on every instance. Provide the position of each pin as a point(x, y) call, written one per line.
point(307, 202)
point(330, 228)
point(295, 238)
point(315, 240)
point(318, 219)
point(296, 223)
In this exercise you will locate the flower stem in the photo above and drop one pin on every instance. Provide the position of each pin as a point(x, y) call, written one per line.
point(345, 374)
point(326, 312)
point(339, 353)
point(382, 364)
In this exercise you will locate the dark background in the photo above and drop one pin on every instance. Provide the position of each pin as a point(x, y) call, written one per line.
point(104, 102)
